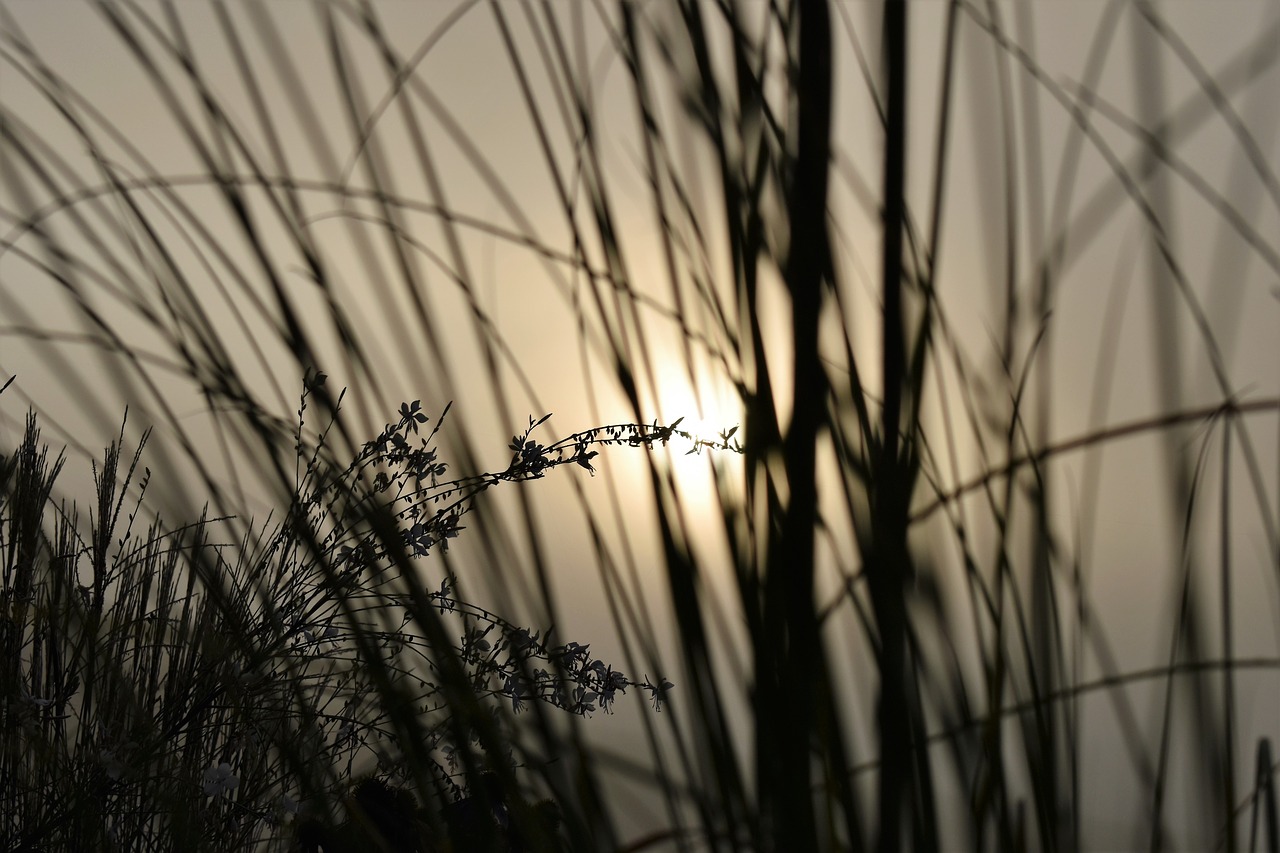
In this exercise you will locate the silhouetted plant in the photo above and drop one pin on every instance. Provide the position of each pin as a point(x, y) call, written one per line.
point(884, 622)
point(165, 688)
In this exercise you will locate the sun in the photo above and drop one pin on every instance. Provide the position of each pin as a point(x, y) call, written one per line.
point(710, 416)
point(709, 413)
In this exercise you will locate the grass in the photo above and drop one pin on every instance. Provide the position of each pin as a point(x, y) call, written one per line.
point(903, 618)
point(152, 671)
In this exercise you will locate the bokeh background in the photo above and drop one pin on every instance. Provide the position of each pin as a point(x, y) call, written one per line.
point(1074, 126)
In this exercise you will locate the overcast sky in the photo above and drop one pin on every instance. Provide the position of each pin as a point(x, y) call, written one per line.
point(1130, 338)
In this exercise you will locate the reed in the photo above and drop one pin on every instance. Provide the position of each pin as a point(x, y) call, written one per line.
point(881, 625)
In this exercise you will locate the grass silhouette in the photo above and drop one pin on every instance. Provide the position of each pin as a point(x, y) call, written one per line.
point(884, 630)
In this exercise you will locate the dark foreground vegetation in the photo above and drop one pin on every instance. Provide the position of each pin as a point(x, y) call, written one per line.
point(301, 622)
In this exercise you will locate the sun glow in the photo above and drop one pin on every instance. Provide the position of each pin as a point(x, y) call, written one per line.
point(707, 430)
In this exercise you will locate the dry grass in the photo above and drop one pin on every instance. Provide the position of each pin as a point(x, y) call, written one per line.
point(884, 630)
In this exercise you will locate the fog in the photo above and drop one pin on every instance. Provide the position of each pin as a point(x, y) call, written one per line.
point(1073, 128)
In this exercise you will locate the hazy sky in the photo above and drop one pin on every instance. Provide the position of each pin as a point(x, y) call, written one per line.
point(1129, 338)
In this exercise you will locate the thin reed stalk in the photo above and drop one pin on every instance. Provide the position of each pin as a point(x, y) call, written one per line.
point(970, 349)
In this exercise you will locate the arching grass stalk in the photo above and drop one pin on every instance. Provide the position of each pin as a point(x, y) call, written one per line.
point(980, 577)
